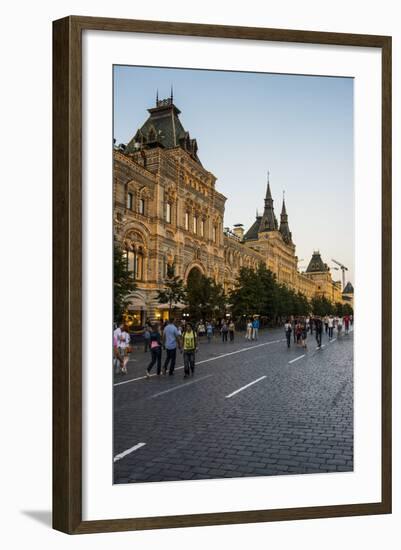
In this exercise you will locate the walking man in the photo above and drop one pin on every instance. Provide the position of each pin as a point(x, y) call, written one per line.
point(171, 339)
point(331, 326)
point(318, 331)
point(189, 347)
point(224, 331)
point(255, 328)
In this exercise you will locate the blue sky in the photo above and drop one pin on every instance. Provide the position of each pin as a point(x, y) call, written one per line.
point(300, 128)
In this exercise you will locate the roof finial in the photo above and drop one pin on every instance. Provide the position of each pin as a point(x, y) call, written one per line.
point(268, 176)
point(157, 96)
point(171, 95)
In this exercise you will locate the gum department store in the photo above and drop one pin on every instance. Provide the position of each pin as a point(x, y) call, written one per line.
point(167, 210)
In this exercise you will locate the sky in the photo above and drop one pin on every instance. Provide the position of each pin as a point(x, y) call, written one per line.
point(299, 128)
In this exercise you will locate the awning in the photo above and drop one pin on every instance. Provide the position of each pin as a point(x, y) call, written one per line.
point(174, 306)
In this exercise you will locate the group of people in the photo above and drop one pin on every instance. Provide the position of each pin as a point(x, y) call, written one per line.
point(169, 337)
point(300, 327)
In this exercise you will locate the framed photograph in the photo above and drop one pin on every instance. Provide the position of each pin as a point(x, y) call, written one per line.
point(222, 275)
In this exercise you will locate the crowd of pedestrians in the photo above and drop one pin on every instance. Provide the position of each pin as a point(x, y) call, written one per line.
point(299, 328)
point(163, 340)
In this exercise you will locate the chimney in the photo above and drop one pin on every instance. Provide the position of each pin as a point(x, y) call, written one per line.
point(239, 230)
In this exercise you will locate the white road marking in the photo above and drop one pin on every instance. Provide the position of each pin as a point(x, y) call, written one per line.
point(128, 451)
point(244, 387)
point(206, 360)
point(180, 386)
point(296, 359)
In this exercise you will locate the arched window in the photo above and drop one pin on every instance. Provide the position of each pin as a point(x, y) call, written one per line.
point(187, 221)
point(141, 206)
point(195, 224)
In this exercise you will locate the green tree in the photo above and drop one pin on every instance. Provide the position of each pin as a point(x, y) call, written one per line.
point(339, 309)
point(173, 291)
point(205, 297)
point(321, 306)
point(245, 298)
point(347, 309)
point(123, 282)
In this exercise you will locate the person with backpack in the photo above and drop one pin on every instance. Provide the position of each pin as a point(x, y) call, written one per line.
point(189, 346)
point(155, 345)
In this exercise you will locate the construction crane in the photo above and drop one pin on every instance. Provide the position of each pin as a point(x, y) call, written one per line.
point(343, 269)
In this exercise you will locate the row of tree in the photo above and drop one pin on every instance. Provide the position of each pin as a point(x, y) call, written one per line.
point(256, 292)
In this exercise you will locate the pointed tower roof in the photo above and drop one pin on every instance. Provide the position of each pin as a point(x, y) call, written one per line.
point(284, 227)
point(163, 128)
point(268, 221)
point(316, 264)
point(349, 289)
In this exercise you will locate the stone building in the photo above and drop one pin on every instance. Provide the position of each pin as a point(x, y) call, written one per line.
point(319, 272)
point(167, 211)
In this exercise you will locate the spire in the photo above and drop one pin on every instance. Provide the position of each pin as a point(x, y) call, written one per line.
point(171, 94)
point(268, 222)
point(284, 227)
point(157, 96)
point(283, 209)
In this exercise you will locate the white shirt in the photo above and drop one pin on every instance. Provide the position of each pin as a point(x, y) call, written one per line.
point(121, 337)
point(331, 322)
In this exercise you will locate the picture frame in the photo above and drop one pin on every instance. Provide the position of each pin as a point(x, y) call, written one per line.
point(67, 274)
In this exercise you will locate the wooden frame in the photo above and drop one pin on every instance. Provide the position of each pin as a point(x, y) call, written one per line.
point(67, 311)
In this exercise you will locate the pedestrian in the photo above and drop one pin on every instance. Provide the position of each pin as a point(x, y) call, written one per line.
point(346, 323)
point(201, 329)
point(146, 335)
point(171, 339)
point(189, 348)
point(294, 329)
point(255, 328)
point(318, 330)
point(122, 340)
point(298, 332)
point(326, 323)
point(288, 330)
point(231, 330)
point(209, 332)
point(248, 334)
point(330, 326)
point(224, 331)
point(339, 326)
point(304, 334)
point(155, 346)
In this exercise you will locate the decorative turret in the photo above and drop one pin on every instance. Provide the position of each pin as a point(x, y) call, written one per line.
point(268, 221)
point(316, 265)
point(284, 227)
point(163, 129)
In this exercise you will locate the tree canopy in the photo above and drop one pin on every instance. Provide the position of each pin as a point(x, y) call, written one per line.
point(123, 282)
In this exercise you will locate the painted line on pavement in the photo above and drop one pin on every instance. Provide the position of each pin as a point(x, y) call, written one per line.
point(180, 386)
point(244, 387)
point(206, 360)
point(296, 359)
point(128, 451)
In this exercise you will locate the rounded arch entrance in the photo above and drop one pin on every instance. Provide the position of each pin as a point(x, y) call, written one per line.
point(193, 271)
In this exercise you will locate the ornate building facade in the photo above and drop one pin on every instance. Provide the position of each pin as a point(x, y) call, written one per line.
point(167, 211)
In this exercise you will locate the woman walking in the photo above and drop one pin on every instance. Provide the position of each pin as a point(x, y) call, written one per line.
point(209, 332)
point(155, 344)
point(248, 334)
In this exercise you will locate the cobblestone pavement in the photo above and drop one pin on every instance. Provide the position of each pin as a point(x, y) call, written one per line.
point(294, 415)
